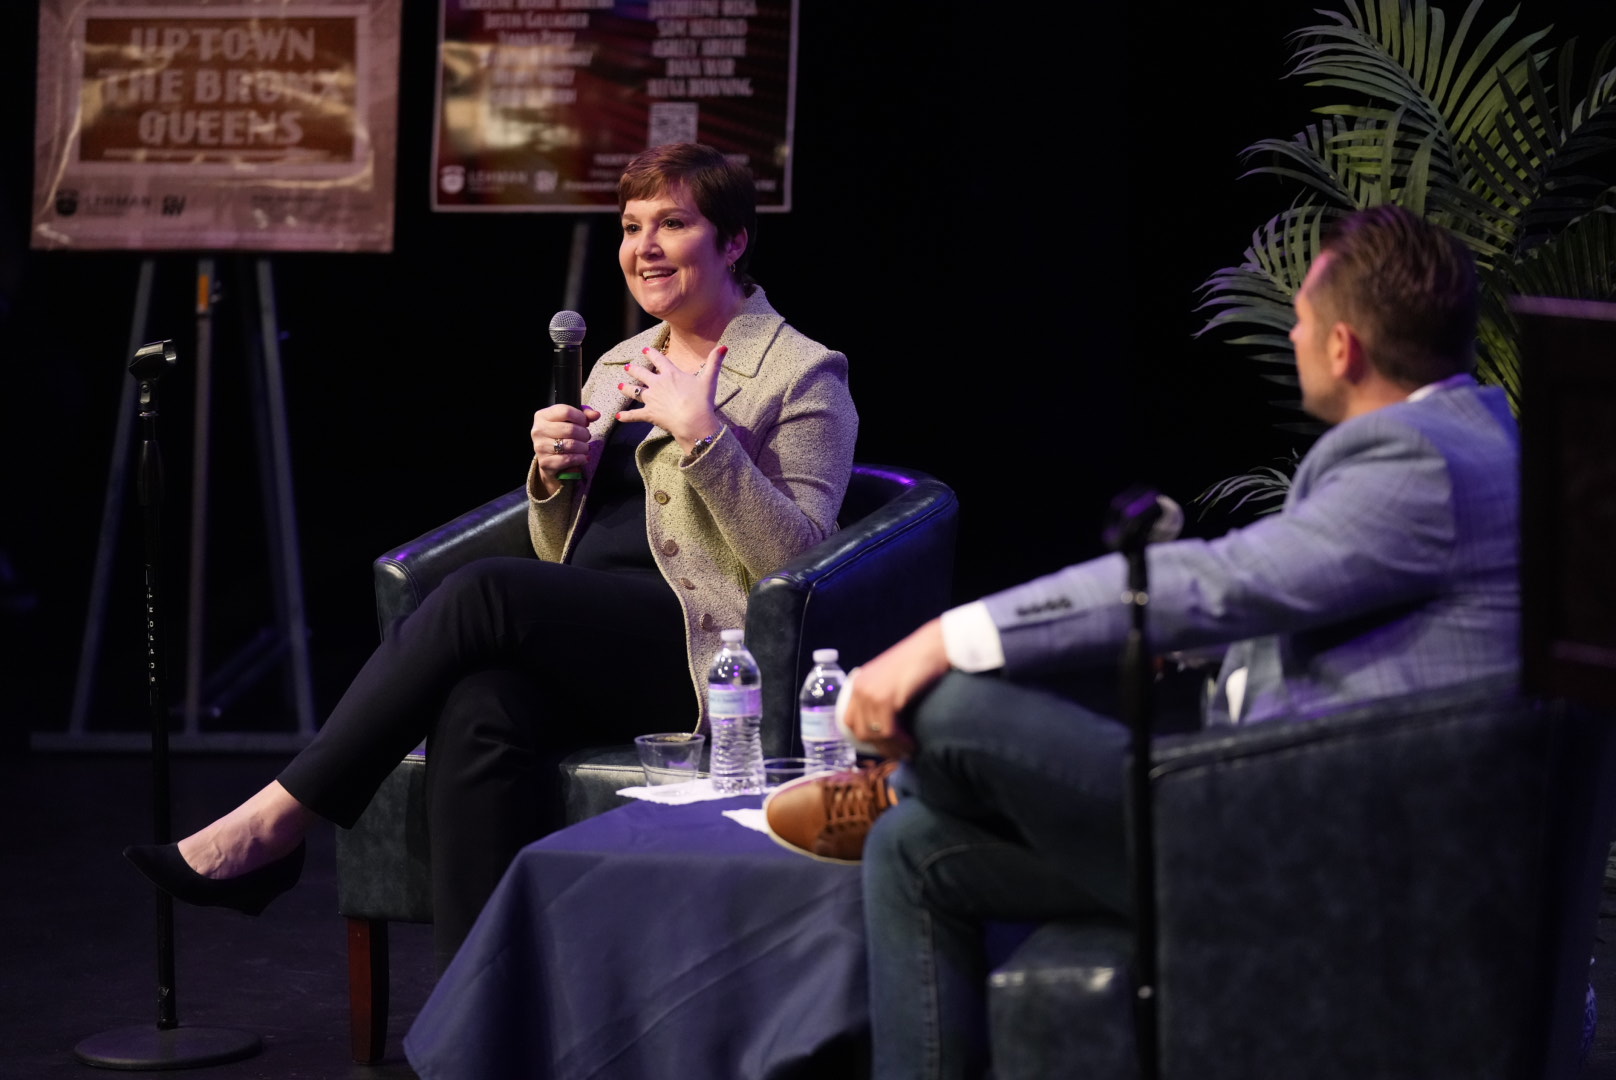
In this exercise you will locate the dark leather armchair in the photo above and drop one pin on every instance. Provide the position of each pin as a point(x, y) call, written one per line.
point(1406, 889)
point(886, 571)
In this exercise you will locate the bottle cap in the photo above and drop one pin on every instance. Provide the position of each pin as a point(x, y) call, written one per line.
point(732, 635)
point(825, 656)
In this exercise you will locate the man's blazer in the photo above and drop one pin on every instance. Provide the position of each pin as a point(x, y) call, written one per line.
point(1393, 567)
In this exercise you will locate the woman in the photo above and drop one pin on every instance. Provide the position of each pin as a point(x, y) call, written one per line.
point(714, 447)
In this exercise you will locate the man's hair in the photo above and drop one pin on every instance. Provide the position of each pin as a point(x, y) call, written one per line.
point(725, 193)
point(1407, 287)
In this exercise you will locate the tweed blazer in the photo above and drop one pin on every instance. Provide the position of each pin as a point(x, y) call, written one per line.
point(767, 489)
point(1393, 567)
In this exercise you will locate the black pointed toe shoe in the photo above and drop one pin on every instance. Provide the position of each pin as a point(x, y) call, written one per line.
point(247, 893)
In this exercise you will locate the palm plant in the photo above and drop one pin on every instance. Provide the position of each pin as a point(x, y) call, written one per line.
point(1489, 135)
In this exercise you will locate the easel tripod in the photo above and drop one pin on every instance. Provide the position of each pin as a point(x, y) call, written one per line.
point(206, 696)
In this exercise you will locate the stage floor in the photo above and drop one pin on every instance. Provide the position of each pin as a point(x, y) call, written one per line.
point(80, 943)
point(79, 954)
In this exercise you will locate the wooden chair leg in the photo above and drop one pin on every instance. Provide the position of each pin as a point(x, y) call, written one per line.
point(367, 989)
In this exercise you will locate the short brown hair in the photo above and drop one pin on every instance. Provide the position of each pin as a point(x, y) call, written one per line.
point(1408, 288)
point(724, 191)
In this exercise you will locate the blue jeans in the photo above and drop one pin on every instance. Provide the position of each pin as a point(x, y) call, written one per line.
point(1012, 810)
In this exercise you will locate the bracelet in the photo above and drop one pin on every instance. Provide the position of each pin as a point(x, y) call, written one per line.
point(702, 444)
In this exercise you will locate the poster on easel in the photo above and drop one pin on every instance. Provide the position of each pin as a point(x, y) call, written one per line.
point(252, 125)
point(542, 102)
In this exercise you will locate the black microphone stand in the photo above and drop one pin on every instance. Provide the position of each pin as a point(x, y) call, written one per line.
point(168, 1045)
point(1133, 515)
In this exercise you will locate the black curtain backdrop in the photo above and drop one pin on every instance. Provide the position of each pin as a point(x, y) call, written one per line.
point(1002, 215)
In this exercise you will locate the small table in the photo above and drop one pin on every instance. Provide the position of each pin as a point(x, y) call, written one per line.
point(656, 942)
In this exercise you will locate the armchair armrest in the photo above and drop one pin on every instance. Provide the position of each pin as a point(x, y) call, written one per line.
point(858, 590)
point(406, 574)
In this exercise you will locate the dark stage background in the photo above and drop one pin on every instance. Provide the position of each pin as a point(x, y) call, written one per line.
point(1002, 215)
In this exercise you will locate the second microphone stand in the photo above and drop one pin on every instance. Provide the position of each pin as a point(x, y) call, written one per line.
point(166, 1045)
point(1135, 520)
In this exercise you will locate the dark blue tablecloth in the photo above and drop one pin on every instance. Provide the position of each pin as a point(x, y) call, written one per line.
point(653, 942)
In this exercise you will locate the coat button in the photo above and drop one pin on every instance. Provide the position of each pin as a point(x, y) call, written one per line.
point(707, 623)
point(670, 547)
point(687, 583)
point(661, 497)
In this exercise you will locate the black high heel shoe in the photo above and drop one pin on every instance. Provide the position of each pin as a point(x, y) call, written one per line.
point(247, 893)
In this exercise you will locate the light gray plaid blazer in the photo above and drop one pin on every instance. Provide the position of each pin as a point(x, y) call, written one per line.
point(1393, 567)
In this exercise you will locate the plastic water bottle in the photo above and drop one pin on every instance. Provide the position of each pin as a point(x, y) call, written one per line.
point(735, 712)
point(822, 742)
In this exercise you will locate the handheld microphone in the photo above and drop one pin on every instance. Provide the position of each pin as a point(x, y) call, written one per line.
point(567, 366)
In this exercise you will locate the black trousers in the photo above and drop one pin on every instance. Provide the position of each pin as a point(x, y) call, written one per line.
point(506, 666)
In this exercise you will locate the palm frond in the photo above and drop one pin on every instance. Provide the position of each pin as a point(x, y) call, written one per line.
point(1259, 291)
point(1498, 353)
point(1487, 230)
point(1578, 263)
point(1601, 83)
point(1307, 157)
point(1442, 103)
point(1263, 489)
point(1479, 126)
point(1584, 139)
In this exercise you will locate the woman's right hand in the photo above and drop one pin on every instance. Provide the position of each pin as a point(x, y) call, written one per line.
point(561, 441)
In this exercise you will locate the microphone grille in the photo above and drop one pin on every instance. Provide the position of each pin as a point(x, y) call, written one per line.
point(567, 328)
point(1171, 522)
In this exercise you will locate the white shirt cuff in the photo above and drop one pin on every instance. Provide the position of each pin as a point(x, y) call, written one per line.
point(1234, 691)
point(971, 640)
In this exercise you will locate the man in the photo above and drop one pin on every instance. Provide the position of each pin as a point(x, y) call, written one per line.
point(1391, 569)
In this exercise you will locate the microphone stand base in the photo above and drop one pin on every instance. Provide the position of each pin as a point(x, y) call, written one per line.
point(147, 1047)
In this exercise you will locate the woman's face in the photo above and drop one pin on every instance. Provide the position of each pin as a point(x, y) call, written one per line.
point(671, 258)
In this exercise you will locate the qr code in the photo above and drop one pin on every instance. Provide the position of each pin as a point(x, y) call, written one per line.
point(672, 121)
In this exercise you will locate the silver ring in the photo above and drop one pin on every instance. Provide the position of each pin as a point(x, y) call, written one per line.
point(556, 448)
point(639, 391)
point(877, 729)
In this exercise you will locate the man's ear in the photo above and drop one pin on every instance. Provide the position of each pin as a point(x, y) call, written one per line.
point(1345, 350)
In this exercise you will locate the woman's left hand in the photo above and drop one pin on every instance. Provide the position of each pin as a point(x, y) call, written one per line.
point(678, 403)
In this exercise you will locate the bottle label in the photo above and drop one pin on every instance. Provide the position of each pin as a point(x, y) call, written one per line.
point(728, 701)
point(819, 723)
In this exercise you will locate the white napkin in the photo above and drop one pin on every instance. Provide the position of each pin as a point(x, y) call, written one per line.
point(674, 794)
point(751, 818)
